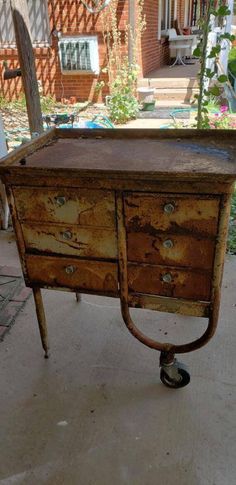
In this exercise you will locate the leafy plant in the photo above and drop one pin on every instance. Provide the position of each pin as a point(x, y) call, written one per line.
point(122, 70)
point(3, 102)
point(206, 74)
point(213, 104)
point(222, 119)
point(123, 108)
point(47, 104)
point(123, 104)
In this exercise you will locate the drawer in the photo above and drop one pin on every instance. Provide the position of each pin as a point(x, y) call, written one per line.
point(81, 241)
point(94, 276)
point(170, 249)
point(71, 206)
point(169, 281)
point(172, 213)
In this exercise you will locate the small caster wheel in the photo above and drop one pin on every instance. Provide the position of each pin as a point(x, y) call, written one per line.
point(175, 376)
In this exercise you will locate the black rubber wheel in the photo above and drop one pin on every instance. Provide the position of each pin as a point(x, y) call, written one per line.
point(167, 381)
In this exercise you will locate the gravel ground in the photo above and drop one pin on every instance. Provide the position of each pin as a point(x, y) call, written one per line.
point(16, 125)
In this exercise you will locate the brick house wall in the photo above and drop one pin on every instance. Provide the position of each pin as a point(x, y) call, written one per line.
point(154, 51)
point(180, 12)
point(71, 18)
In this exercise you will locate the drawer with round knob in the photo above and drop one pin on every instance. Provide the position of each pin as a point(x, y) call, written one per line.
point(179, 214)
point(169, 281)
point(88, 242)
point(72, 273)
point(71, 206)
point(171, 249)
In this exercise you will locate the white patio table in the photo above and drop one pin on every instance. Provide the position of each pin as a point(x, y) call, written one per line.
point(182, 47)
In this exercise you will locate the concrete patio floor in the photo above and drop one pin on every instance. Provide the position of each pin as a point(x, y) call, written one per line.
point(189, 71)
point(96, 413)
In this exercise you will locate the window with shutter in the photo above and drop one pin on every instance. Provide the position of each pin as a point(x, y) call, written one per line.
point(79, 54)
point(38, 19)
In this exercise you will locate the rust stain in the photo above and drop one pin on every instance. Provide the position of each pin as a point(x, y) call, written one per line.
point(85, 241)
point(184, 284)
point(83, 275)
point(191, 215)
point(81, 206)
point(187, 251)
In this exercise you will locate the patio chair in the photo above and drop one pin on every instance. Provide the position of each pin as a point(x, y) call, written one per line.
point(181, 46)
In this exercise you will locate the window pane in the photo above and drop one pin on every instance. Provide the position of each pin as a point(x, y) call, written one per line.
point(163, 14)
point(7, 34)
point(166, 14)
point(38, 16)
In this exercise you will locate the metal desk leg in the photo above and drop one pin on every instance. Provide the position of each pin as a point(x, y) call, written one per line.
point(6, 211)
point(77, 296)
point(41, 320)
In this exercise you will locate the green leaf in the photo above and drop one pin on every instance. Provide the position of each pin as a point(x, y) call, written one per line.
point(228, 36)
point(215, 90)
point(222, 78)
point(209, 73)
point(214, 12)
point(197, 52)
point(223, 10)
point(214, 51)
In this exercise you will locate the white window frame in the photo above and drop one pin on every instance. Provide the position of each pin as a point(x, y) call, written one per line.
point(168, 5)
point(47, 41)
point(175, 9)
point(44, 43)
point(94, 54)
point(187, 13)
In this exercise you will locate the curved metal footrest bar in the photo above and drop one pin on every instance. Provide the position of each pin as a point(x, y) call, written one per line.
point(169, 347)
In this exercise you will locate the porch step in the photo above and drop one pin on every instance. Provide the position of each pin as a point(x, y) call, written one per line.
point(185, 94)
point(172, 103)
point(171, 83)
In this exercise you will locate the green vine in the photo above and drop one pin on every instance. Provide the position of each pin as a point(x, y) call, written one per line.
point(206, 74)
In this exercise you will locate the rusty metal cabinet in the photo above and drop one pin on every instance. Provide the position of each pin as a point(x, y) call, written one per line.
point(138, 215)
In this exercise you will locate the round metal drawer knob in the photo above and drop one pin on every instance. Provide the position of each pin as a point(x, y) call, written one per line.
point(67, 235)
point(168, 244)
point(169, 208)
point(167, 278)
point(70, 269)
point(60, 200)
